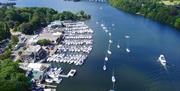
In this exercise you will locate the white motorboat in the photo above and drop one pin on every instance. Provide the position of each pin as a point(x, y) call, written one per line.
point(128, 50)
point(113, 25)
point(106, 58)
point(162, 60)
point(118, 46)
point(104, 67)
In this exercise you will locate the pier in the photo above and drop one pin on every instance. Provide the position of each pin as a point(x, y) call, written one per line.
point(71, 73)
point(45, 85)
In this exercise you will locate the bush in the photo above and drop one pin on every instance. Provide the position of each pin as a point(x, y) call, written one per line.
point(44, 42)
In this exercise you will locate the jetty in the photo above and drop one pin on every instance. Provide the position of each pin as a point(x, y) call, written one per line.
point(71, 73)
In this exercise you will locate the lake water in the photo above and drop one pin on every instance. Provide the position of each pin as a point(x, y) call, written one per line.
point(135, 71)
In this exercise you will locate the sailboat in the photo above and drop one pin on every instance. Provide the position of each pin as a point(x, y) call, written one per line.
point(109, 52)
point(106, 58)
point(128, 50)
point(106, 30)
point(104, 67)
point(118, 46)
point(110, 41)
point(102, 25)
point(127, 36)
point(109, 34)
point(113, 78)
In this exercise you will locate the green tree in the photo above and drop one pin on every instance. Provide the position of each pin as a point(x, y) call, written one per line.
point(12, 77)
point(44, 42)
point(177, 23)
point(14, 39)
point(5, 55)
point(4, 31)
point(26, 28)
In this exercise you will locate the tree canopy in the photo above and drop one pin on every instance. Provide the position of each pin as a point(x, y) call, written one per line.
point(29, 20)
point(44, 42)
point(153, 9)
point(11, 78)
point(4, 31)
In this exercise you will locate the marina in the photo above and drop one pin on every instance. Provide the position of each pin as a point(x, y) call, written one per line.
point(71, 43)
point(77, 44)
point(134, 71)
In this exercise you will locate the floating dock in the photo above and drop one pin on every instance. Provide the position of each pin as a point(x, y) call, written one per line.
point(71, 73)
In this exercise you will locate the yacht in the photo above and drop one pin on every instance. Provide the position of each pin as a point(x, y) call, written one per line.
point(128, 50)
point(106, 58)
point(118, 46)
point(104, 67)
point(162, 60)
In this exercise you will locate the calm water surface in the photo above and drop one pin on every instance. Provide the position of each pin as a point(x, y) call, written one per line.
point(136, 71)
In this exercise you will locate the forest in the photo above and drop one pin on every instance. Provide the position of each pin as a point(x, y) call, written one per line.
point(163, 11)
